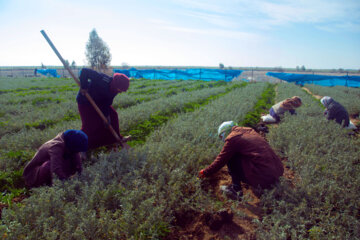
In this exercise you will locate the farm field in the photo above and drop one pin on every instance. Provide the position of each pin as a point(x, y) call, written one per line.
point(152, 191)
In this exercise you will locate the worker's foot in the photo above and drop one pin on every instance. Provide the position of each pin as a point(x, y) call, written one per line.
point(232, 191)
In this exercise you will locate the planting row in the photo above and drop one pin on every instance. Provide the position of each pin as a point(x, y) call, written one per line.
point(324, 204)
point(135, 194)
point(37, 111)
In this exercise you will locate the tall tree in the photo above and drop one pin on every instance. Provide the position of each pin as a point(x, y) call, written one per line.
point(97, 52)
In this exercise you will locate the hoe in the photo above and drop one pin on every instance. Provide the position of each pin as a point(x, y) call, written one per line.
point(118, 139)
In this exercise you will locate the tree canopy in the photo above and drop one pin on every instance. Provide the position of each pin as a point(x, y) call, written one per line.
point(97, 52)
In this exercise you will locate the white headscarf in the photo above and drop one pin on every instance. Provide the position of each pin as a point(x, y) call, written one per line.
point(326, 101)
point(225, 128)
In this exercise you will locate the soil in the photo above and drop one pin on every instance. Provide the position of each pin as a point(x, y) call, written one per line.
point(316, 96)
point(223, 224)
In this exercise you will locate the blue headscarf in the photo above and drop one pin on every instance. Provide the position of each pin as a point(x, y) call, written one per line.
point(76, 140)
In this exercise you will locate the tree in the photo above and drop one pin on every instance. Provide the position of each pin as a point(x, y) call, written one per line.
point(73, 64)
point(97, 52)
point(125, 65)
point(221, 66)
point(279, 69)
point(303, 68)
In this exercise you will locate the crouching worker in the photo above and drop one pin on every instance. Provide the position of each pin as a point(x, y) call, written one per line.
point(102, 89)
point(59, 155)
point(288, 104)
point(249, 159)
point(335, 111)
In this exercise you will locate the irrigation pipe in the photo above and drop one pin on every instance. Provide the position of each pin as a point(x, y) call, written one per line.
point(89, 98)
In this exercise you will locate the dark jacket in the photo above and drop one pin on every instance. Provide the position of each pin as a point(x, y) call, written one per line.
point(63, 164)
point(98, 88)
point(260, 165)
point(336, 111)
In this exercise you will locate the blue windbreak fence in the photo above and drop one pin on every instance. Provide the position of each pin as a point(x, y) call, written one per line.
point(48, 72)
point(182, 74)
point(323, 80)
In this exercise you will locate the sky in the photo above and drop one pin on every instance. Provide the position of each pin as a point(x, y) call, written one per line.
point(319, 34)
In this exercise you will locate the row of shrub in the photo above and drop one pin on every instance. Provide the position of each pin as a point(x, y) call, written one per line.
point(324, 204)
point(134, 194)
point(39, 108)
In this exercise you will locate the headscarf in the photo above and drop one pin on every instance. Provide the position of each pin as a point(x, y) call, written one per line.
point(291, 103)
point(120, 83)
point(225, 128)
point(76, 140)
point(326, 101)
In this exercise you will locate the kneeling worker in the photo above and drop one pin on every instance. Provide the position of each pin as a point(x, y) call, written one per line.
point(335, 111)
point(249, 158)
point(287, 105)
point(59, 155)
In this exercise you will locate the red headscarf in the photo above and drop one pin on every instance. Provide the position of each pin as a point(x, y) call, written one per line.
point(120, 83)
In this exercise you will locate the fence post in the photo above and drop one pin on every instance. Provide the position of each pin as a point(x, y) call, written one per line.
point(200, 74)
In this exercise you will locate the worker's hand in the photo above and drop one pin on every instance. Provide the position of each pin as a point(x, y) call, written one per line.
point(125, 146)
point(108, 122)
point(126, 139)
point(83, 91)
point(201, 174)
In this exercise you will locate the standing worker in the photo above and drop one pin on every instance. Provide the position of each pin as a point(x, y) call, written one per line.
point(288, 104)
point(249, 159)
point(59, 155)
point(103, 89)
point(335, 111)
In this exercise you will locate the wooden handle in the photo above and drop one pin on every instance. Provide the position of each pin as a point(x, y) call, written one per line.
point(89, 98)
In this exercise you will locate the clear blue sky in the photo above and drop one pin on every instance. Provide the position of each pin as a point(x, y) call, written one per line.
point(246, 33)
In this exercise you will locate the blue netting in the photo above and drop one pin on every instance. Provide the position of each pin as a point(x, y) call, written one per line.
point(323, 80)
point(182, 74)
point(48, 72)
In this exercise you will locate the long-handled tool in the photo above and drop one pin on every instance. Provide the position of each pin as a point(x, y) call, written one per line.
point(89, 98)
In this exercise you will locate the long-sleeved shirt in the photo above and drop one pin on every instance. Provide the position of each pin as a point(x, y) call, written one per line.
point(260, 165)
point(280, 110)
point(98, 88)
point(63, 164)
point(336, 111)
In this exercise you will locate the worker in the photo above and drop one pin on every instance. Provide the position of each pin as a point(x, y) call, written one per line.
point(59, 155)
point(249, 159)
point(102, 89)
point(288, 104)
point(335, 111)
